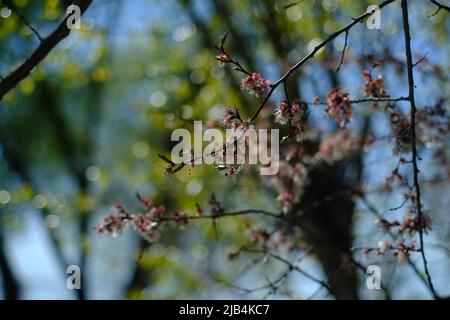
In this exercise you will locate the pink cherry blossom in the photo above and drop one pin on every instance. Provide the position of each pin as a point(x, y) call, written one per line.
point(255, 85)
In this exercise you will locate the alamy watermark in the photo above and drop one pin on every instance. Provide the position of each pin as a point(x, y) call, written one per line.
point(74, 280)
point(373, 281)
point(73, 14)
point(374, 20)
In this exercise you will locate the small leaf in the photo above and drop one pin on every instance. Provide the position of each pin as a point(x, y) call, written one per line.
point(223, 39)
point(287, 6)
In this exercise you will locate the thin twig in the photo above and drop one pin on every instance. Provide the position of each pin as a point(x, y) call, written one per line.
point(22, 17)
point(343, 52)
point(407, 197)
point(420, 60)
point(290, 265)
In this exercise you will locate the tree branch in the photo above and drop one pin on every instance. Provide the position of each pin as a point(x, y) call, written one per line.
point(440, 6)
point(415, 156)
point(225, 214)
point(46, 46)
point(362, 100)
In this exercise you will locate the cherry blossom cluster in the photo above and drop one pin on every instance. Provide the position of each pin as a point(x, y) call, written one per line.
point(432, 124)
point(296, 114)
point(408, 226)
point(401, 230)
point(339, 106)
point(232, 120)
point(401, 131)
point(149, 223)
point(290, 180)
point(255, 84)
point(235, 142)
point(112, 225)
point(282, 113)
point(400, 250)
point(223, 58)
point(412, 222)
point(146, 224)
point(374, 87)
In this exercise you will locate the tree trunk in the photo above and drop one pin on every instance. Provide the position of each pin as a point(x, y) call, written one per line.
point(11, 286)
point(325, 213)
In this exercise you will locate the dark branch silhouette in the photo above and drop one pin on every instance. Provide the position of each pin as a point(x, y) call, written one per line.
point(415, 156)
point(46, 46)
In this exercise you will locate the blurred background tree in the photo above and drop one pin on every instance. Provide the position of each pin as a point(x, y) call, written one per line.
point(84, 130)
